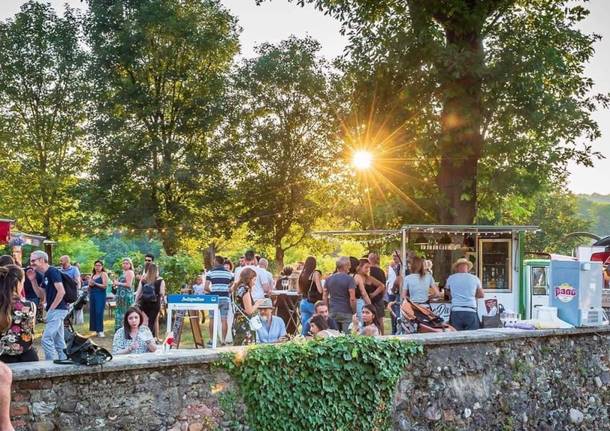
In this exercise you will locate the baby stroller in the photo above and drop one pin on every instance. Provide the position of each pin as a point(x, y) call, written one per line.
point(80, 349)
point(417, 318)
point(74, 308)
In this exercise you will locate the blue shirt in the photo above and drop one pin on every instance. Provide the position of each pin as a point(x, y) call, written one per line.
point(271, 333)
point(463, 287)
point(71, 272)
point(51, 277)
point(220, 279)
point(338, 286)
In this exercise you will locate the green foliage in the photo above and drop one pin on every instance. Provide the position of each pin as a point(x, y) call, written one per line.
point(342, 383)
point(597, 209)
point(160, 70)
point(83, 251)
point(179, 269)
point(285, 130)
point(43, 96)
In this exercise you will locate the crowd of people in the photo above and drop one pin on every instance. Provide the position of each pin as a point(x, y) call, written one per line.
point(354, 299)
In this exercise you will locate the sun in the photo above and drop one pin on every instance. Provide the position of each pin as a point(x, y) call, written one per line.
point(362, 160)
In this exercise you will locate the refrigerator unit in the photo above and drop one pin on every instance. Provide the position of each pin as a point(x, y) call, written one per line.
point(576, 291)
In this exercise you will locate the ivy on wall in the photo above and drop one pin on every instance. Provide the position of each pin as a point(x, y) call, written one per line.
point(342, 383)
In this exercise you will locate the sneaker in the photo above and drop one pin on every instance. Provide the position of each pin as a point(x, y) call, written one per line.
point(209, 343)
point(100, 334)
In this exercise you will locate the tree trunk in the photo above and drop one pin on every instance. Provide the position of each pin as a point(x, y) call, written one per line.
point(461, 139)
point(169, 240)
point(279, 258)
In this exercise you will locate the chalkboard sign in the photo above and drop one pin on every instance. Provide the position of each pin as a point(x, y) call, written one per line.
point(178, 325)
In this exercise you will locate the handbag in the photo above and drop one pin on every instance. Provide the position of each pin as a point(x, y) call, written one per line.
point(491, 322)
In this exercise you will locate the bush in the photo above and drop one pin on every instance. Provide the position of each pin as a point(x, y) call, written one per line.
point(179, 269)
point(342, 383)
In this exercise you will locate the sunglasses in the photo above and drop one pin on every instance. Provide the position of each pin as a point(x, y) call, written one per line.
point(147, 260)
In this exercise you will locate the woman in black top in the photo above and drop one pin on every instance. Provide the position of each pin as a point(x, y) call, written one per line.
point(310, 286)
point(370, 288)
point(151, 306)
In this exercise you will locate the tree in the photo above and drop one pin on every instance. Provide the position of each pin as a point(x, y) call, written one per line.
point(285, 130)
point(487, 97)
point(43, 95)
point(160, 68)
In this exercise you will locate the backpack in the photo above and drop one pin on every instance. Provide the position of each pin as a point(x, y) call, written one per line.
point(82, 351)
point(70, 287)
point(149, 294)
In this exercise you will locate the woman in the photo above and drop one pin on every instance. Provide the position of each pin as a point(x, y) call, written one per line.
point(97, 298)
point(370, 289)
point(318, 328)
point(283, 281)
point(133, 337)
point(17, 318)
point(419, 284)
point(245, 308)
point(124, 292)
point(370, 322)
point(310, 287)
point(150, 293)
point(228, 265)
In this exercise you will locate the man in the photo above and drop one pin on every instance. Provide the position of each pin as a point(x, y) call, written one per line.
point(273, 328)
point(260, 286)
point(74, 273)
point(70, 270)
point(266, 276)
point(321, 309)
point(53, 290)
point(378, 296)
point(217, 282)
point(464, 289)
point(340, 294)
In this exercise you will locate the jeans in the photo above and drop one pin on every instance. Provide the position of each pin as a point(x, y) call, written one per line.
point(464, 320)
point(343, 320)
point(97, 303)
point(307, 311)
point(52, 341)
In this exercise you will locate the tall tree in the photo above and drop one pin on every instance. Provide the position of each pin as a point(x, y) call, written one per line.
point(484, 96)
point(160, 68)
point(286, 130)
point(43, 94)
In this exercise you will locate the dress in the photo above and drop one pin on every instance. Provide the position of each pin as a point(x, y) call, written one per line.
point(16, 340)
point(120, 342)
point(97, 303)
point(242, 334)
point(124, 299)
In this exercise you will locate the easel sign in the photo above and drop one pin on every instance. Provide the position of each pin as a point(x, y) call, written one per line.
point(194, 302)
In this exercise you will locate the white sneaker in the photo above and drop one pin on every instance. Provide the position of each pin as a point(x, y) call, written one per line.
point(100, 334)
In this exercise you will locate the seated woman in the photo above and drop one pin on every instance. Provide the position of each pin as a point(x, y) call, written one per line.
point(318, 328)
point(133, 337)
point(17, 318)
point(370, 322)
point(419, 284)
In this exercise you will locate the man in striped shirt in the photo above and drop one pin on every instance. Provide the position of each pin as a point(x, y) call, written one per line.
point(217, 282)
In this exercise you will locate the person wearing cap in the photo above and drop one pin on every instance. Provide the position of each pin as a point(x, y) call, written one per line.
point(464, 289)
point(273, 328)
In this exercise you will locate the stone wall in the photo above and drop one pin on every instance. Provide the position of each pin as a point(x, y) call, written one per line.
point(481, 380)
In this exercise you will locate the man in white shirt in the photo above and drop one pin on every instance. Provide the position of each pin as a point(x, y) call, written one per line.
point(261, 285)
point(266, 276)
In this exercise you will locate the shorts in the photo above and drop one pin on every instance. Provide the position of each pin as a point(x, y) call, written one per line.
point(224, 302)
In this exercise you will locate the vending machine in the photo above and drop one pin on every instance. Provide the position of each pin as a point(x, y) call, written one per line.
point(576, 292)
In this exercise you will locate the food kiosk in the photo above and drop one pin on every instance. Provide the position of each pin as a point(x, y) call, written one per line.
point(496, 253)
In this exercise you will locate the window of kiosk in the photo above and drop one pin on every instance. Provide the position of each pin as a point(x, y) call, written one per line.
point(495, 264)
point(539, 280)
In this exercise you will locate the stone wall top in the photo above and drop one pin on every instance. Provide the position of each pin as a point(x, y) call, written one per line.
point(46, 369)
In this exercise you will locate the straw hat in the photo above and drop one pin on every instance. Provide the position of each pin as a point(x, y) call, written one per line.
point(462, 261)
point(265, 303)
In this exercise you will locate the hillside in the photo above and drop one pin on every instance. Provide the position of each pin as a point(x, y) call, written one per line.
point(596, 208)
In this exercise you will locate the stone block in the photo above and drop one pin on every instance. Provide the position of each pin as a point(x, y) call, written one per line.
point(19, 409)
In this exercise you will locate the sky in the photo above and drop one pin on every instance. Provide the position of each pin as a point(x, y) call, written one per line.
point(275, 20)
